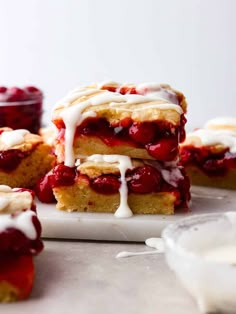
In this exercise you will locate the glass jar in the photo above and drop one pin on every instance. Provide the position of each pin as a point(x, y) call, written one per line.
point(21, 108)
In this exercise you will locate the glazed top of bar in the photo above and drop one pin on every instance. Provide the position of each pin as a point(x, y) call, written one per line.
point(217, 136)
point(15, 200)
point(15, 211)
point(20, 139)
point(113, 101)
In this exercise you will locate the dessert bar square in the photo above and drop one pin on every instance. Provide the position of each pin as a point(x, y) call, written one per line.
point(20, 232)
point(24, 158)
point(121, 185)
point(143, 121)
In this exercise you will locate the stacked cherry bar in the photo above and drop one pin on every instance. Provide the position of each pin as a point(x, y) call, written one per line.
point(20, 232)
point(145, 123)
point(21, 108)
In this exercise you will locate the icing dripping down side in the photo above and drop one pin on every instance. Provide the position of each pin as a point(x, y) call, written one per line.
point(122, 163)
point(22, 222)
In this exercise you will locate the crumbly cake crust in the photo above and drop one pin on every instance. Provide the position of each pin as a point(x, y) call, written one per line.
point(80, 197)
point(198, 177)
point(87, 145)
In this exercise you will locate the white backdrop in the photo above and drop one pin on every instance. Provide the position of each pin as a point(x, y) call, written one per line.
point(59, 44)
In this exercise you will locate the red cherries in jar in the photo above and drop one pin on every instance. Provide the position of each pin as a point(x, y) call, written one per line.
point(21, 108)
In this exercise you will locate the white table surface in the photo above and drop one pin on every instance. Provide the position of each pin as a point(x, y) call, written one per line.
point(86, 278)
point(106, 227)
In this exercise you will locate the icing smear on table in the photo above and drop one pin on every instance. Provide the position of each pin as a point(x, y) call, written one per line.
point(155, 243)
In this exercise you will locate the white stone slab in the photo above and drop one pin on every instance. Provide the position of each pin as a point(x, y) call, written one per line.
point(100, 226)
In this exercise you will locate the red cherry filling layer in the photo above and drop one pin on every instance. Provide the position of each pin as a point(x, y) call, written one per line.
point(145, 179)
point(14, 241)
point(18, 271)
point(159, 138)
point(21, 108)
point(61, 176)
point(10, 159)
point(212, 164)
point(106, 184)
point(141, 180)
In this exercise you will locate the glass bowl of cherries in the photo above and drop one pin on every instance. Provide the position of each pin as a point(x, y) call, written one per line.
point(21, 108)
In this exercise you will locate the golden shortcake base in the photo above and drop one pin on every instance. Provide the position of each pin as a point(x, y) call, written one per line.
point(87, 145)
point(24, 158)
point(110, 183)
point(198, 177)
point(80, 197)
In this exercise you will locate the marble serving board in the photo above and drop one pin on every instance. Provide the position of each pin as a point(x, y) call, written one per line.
point(101, 226)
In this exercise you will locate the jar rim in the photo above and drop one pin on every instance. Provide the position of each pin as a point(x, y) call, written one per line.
point(21, 102)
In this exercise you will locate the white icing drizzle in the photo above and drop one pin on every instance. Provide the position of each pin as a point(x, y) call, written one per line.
point(5, 188)
point(221, 121)
point(74, 116)
point(15, 137)
point(159, 106)
point(12, 201)
point(156, 90)
point(123, 163)
point(169, 171)
point(73, 95)
point(172, 176)
point(22, 222)
point(156, 243)
point(4, 202)
point(129, 254)
point(213, 137)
